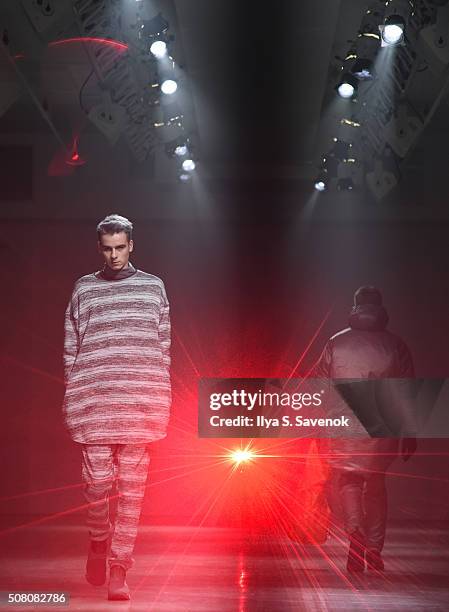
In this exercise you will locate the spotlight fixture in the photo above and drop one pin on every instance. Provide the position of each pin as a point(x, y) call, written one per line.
point(322, 181)
point(393, 28)
point(181, 150)
point(188, 165)
point(393, 31)
point(330, 166)
point(177, 147)
point(351, 122)
point(169, 86)
point(328, 172)
point(159, 49)
point(348, 85)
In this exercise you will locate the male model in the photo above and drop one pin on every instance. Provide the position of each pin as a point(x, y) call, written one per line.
point(117, 399)
point(366, 350)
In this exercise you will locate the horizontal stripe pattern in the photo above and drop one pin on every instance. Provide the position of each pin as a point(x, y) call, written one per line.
point(117, 360)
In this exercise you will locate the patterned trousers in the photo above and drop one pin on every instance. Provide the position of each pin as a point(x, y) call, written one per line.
point(127, 464)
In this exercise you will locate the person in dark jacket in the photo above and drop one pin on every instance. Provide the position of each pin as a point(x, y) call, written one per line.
point(366, 350)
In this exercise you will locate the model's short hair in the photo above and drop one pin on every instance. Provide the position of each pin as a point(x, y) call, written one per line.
point(114, 224)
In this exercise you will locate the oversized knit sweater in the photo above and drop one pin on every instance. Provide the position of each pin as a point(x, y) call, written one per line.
point(117, 360)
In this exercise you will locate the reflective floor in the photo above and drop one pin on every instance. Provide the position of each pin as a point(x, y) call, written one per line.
point(219, 569)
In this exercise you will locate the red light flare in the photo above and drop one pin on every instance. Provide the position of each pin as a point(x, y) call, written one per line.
point(229, 487)
point(31, 369)
point(187, 354)
point(311, 341)
point(90, 39)
point(209, 503)
point(301, 552)
point(306, 518)
point(45, 519)
point(41, 492)
point(74, 158)
point(278, 507)
point(54, 516)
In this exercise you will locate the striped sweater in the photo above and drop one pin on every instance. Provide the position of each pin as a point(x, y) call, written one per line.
point(117, 360)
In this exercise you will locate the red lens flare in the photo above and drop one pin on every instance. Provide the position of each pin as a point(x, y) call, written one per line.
point(90, 39)
point(74, 158)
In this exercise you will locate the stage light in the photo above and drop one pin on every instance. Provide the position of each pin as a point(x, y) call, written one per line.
point(188, 165)
point(74, 158)
point(159, 49)
point(352, 123)
point(393, 28)
point(328, 172)
point(393, 31)
point(181, 150)
point(330, 165)
point(242, 455)
point(169, 86)
point(177, 147)
point(323, 178)
point(347, 87)
point(184, 177)
point(346, 90)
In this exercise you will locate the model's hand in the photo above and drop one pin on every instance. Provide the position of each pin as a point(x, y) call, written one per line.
point(408, 448)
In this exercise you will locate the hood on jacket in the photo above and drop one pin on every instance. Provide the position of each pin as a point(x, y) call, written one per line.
point(368, 317)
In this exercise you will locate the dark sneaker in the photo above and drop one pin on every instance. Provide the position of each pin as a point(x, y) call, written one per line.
point(118, 589)
point(356, 554)
point(374, 561)
point(96, 562)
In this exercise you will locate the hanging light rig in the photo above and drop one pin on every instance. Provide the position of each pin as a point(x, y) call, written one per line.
point(358, 66)
point(169, 115)
point(396, 16)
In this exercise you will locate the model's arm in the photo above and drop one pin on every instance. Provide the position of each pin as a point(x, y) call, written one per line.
point(165, 330)
point(71, 336)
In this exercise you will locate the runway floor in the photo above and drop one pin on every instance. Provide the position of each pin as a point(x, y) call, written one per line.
point(228, 570)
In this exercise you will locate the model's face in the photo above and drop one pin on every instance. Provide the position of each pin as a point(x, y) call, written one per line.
point(115, 249)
